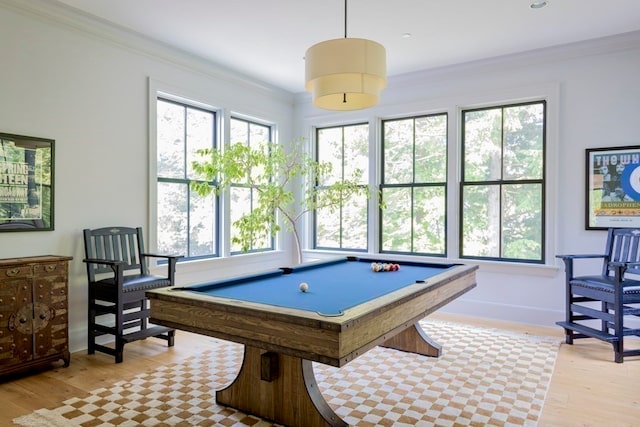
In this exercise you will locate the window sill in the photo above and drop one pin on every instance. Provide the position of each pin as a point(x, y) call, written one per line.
point(542, 270)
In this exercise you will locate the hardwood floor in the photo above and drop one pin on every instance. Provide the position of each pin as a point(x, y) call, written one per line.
point(587, 388)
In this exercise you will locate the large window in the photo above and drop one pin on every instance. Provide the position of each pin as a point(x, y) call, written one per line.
point(414, 179)
point(502, 190)
point(187, 223)
point(346, 148)
point(498, 211)
point(242, 196)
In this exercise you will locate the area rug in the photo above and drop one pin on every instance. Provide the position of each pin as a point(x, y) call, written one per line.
point(485, 377)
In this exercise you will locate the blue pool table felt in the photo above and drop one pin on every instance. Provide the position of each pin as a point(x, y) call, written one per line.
point(334, 286)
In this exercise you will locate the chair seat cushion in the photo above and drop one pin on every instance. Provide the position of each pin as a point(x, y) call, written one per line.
point(136, 282)
point(606, 284)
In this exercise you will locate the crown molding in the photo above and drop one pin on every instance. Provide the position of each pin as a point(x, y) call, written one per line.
point(599, 46)
point(59, 14)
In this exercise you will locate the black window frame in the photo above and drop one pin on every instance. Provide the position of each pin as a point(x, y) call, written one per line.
point(444, 185)
point(186, 181)
point(315, 213)
point(542, 181)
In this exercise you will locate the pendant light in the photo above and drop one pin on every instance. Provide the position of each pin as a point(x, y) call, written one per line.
point(345, 74)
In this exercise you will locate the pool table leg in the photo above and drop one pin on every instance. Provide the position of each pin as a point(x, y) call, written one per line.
point(415, 340)
point(279, 388)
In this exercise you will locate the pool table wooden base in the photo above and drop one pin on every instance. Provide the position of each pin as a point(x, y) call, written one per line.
point(283, 388)
point(288, 395)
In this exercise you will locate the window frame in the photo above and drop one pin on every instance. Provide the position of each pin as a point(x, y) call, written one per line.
point(314, 221)
point(413, 185)
point(188, 104)
point(542, 181)
point(272, 239)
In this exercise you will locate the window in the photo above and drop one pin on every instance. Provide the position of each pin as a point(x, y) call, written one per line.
point(242, 197)
point(414, 179)
point(187, 223)
point(502, 189)
point(346, 148)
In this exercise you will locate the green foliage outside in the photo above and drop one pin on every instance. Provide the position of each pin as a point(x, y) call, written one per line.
point(275, 174)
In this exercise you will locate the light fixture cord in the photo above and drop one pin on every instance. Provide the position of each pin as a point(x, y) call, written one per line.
point(345, 19)
point(344, 95)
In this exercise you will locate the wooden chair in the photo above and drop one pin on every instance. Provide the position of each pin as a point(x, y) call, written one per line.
point(598, 306)
point(118, 279)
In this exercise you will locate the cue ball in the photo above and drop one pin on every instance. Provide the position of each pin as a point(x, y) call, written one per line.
point(304, 287)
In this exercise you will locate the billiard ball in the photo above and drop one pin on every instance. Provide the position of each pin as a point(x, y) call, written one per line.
point(304, 287)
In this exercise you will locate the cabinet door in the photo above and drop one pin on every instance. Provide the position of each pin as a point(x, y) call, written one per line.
point(50, 309)
point(16, 315)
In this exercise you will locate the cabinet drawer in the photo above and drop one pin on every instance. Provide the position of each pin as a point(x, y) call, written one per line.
point(50, 268)
point(16, 271)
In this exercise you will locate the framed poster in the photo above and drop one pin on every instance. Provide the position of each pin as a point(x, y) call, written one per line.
point(26, 183)
point(613, 188)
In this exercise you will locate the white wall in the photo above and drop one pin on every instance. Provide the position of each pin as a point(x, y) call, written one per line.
point(593, 99)
point(88, 90)
point(86, 86)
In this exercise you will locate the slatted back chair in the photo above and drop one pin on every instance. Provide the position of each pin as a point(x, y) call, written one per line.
point(606, 306)
point(118, 277)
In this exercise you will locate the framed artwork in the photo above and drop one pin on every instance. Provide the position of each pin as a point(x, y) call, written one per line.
point(613, 187)
point(26, 183)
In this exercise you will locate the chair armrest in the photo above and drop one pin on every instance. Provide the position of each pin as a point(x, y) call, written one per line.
point(568, 262)
point(162, 256)
point(568, 259)
point(116, 267)
point(171, 264)
point(580, 256)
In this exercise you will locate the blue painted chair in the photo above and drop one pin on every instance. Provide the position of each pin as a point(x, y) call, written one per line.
point(606, 306)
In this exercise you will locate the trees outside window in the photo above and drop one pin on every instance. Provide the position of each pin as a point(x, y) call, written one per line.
point(414, 185)
point(346, 149)
point(502, 195)
point(499, 187)
point(187, 222)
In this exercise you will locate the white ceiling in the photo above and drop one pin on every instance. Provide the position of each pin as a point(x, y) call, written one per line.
point(267, 39)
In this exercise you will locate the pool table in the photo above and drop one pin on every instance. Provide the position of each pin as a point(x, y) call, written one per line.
point(347, 310)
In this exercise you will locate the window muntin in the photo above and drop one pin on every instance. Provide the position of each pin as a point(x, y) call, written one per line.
point(413, 187)
point(346, 148)
point(242, 197)
point(187, 223)
point(502, 189)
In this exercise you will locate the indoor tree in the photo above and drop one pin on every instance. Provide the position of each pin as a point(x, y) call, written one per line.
point(273, 174)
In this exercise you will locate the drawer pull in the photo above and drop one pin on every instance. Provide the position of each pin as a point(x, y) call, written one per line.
point(13, 272)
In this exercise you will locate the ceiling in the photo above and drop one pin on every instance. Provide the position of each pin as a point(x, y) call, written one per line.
point(267, 39)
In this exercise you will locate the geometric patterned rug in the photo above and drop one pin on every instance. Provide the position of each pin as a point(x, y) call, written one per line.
point(485, 377)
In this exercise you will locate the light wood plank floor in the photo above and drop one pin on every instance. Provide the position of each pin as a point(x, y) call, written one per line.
point(587, 388)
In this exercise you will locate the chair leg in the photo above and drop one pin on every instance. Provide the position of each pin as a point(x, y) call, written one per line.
point(568, 333)
point(171, 340)
point(119, 350)
point(568, 336)
point(91, 322)
point(618, 349)
point(119, 331)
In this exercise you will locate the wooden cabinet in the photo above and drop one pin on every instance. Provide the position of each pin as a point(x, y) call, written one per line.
point(34, 312)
